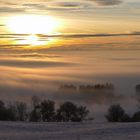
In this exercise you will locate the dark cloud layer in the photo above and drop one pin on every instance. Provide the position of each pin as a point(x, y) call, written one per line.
point(32, 63)
point(107, 2)
point(69, 5)
point(11, 9)
point(42, 36)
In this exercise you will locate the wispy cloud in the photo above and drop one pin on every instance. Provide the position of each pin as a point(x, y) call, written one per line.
point(42, 36)
point(11, 9)
point(31, 63)
point(42, 5)
point(107, 2)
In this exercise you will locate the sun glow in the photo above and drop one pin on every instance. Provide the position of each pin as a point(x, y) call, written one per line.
point(31, 40)
point(33, 24)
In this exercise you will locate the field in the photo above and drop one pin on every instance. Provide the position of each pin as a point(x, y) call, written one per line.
point(69, 131)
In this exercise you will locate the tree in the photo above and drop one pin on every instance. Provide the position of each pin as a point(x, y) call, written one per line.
point(67, 111)
point(116, 114)
point(21, 111)
point(2, 105)
point(47, 110)
point(7, 113)
point(18, 109)
point(35, 101)
point(71, 112)
point(136, 117)
point(81, 113)
point(11, 112)
point(35, 115)
point(138, 88)
point(2, 111)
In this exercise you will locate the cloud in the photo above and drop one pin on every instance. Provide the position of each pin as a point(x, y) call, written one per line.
point(136, 33)
point(35, 5)
point(8, 46)
point(57, 5)
point(69, 5)
point(32, 63)
point(30, 55)
point(7, 2)
point(107, 2)
point(84, 35)
point(42, 5)
point(10, 9)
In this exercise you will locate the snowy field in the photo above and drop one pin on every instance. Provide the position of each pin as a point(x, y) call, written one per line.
point(69, 131)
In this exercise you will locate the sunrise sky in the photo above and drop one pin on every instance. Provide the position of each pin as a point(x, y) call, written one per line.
point(45, 43)
point(80, 16)
point(64, 17)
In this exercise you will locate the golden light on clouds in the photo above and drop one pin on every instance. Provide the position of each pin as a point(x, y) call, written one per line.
point(33, 24)
point(31, 40)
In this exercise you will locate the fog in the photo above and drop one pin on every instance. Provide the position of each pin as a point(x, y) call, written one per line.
point(41, 72)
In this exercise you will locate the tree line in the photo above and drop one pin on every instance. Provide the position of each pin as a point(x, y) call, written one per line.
point(46, 110)
point(86, 88)
point(92, 87)
point(43, 111)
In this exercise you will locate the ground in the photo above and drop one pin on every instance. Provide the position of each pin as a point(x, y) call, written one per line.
point(69, 131)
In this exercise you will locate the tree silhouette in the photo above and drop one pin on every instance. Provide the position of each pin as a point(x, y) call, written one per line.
point(2, 111)
point(47, 110)
point(7, 113)
point(81, 113)
point(21, 111)
point(67, 111)
point(35, 101)
point(138, 88)
point(116, 114)
point(42, 111)
point(71, 112)
point(35, 115)
point(136, 117)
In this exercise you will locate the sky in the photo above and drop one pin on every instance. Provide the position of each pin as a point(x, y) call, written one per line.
point(47, 43)
point(80, 16)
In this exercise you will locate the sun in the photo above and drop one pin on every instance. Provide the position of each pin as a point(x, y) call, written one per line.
point(31, 40)
point(33, 24)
